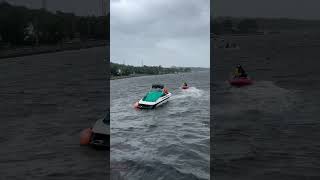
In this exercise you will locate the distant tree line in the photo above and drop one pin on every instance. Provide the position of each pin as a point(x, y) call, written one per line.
point(22, 26)
point(230, 26)
point(126, 70)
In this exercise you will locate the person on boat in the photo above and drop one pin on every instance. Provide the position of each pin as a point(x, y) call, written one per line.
point(165, 91)
point(240, 73)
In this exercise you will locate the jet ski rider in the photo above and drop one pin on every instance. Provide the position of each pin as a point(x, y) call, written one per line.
point(239, 72)
point(185, 84)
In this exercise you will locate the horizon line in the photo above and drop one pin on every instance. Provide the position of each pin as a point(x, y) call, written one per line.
point(161, 65)
point(263, 17)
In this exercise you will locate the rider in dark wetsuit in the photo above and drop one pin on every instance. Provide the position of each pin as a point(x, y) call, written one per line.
point(240, 72)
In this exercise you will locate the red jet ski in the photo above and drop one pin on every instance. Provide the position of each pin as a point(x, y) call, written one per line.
point(242, 81)
point(185, 86)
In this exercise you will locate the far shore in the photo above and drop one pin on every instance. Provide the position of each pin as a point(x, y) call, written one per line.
point(25, 51)
point(131, 76)
point(137, 75)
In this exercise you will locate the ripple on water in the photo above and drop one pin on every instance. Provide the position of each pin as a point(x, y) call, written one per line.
point(171, 142)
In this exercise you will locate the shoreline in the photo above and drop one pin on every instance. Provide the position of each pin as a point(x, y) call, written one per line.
point(43, 49)
point(125, 77)
point(140, 75)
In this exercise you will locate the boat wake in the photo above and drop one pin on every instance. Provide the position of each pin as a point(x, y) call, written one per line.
point(270, 125)
point(264, 96)
point(192, 92)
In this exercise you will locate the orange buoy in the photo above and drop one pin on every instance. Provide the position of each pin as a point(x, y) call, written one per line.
point(85, 136)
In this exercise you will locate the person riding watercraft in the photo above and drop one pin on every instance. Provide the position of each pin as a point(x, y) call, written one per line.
point(185, 86)
point(240, 73)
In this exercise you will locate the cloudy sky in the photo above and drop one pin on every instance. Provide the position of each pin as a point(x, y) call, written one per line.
point(79, 7)
point(160, 32)
point(300, 9)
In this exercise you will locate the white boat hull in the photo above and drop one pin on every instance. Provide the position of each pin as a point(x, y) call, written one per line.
point(150, 105)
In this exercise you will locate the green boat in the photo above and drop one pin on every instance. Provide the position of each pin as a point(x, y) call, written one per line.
point(157, 96)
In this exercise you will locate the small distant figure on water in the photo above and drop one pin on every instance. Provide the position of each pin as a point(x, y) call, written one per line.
point(239, 72)
point(185, 86)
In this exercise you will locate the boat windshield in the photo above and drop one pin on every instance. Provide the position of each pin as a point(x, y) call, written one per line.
point(156, 89)
point(153, 95)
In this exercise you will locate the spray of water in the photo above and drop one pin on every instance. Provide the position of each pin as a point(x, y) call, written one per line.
point(192, 92)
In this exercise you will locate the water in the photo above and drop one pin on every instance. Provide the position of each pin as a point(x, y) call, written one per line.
point(265, 131)
point(269, 130)
point(46, 101)
point(170, 142)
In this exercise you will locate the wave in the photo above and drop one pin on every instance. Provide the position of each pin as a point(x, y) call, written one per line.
point(146, 170)
point(263, 96)
point(192, 92)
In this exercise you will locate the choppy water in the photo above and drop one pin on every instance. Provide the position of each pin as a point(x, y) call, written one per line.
point(265, 131)
point(168, 143)
point(269, 130)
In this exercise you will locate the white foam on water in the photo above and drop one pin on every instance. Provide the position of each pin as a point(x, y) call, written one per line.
point(192, 92)
point(263, 95)
point(162, 135)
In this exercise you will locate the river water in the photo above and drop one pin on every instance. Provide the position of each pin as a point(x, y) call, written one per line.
point(46, 101)
point(170, 142)
point(269, 130)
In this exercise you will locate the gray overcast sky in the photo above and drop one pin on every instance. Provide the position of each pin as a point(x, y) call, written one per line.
point(301, 9)
point(79, 7)
point(160, 32)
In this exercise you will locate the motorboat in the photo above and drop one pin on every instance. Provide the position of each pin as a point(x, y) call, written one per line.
point(98, 135)
point(157, 96)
